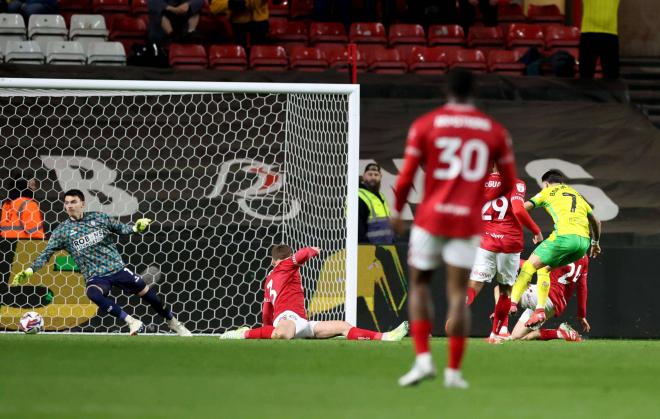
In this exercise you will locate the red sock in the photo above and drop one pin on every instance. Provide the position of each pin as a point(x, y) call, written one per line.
point(456, 350)
point(548, 334)
point(505, 323)
point(356, 333)
point(420, 330)
point(471, 293)
point(501, 312)
point(260, 333)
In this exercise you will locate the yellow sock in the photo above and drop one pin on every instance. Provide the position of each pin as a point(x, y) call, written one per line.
point(542, 287)
point(524, 278)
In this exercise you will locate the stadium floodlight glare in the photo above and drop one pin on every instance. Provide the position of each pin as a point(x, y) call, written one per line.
point(225, 170)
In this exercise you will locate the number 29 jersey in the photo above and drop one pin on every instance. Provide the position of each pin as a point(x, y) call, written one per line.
point(502, 230)
point(457, 145)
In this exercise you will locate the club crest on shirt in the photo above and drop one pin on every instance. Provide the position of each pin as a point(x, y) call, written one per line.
point(520, 187)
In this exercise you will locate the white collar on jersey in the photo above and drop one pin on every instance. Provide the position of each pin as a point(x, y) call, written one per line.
point(460, 106)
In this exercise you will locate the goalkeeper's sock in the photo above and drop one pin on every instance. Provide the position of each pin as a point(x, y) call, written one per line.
point(524, 278)
point(105, 304)
point(471, 293)
point(548, 334)
point(152, 298)
point(264, 332)
point(542, 287)
point(356, 333)
point(456, 351)
point(501, 312)
point(420, 330)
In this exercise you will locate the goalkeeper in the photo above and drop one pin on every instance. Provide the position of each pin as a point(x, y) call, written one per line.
point(88, 238)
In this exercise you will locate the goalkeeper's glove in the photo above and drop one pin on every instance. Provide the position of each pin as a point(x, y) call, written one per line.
point(22, 276)
point(141, 225)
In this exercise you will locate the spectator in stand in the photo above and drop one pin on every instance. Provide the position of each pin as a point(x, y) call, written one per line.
point(28, 8)
point(468, 12)
point(249, 19)
point(173, 20)
point(599, 38)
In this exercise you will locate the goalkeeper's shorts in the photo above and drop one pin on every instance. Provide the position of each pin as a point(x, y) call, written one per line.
point(304, 327)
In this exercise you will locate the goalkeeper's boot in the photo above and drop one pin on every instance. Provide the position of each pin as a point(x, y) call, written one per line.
point(423, 369)
point(568, 333)
point(235, 334)
point(178, 327)
point(397, 334)
point(537, 319)
point(454, 379)
point(135, 327)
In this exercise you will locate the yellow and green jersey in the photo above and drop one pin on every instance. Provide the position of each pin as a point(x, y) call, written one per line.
point(566, 207)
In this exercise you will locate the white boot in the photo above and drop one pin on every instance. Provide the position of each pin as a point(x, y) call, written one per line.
point(422, 369)
point(178, 327)
point(135, 326)
point(454, 379)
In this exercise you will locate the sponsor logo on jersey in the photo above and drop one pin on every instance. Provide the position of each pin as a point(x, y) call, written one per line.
point(88, 240)
point(459, 210)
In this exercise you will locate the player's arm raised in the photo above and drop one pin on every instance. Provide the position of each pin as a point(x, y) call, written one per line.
point(305, 254)
point(54, 244)
point(595, 225)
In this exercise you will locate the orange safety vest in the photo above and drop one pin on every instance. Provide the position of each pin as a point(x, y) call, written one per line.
point(22, 219)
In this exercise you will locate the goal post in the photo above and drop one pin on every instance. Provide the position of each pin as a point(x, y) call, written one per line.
point(225, 170)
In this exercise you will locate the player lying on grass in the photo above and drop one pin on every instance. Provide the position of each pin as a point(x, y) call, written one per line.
point(89, 237)
point(564, 281)
point(283, 310)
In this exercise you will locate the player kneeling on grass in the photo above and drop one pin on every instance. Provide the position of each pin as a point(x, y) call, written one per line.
point(283, 310)
point(88, 239)
point(563, 282)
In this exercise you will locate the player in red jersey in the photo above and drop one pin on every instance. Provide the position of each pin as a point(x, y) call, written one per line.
point(498, 255)
point(457, 145)
point(564, 281)
point(283, 310)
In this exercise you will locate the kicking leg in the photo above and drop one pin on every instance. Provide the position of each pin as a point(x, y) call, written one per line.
point(528, 270)
point(98, 295)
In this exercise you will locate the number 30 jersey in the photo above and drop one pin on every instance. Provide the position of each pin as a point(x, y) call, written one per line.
point(502, 230)
point(457, 146)
point(283, 286)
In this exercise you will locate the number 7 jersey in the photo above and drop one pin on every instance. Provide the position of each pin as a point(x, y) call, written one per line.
point(566, 207)
point(457, 145)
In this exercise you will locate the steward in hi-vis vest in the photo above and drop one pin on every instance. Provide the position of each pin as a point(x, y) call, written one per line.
point(374, 213)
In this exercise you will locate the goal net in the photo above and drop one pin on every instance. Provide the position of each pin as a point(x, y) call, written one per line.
point(225, 170)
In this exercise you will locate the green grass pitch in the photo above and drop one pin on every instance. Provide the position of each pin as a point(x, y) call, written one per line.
point(70, 377)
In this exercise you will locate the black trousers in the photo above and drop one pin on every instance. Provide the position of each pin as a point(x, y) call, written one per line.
point(599, 45)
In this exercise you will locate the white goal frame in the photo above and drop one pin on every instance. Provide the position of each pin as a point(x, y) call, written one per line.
point(352, 91)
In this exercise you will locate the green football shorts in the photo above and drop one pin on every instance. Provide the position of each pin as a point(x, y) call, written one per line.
point(562, 250)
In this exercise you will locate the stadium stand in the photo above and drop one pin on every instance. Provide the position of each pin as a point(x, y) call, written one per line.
point(446, 35)
point(384, 61)
point(404, 37)
point(327, 32)
point(505, 62)
point(189, 57)
point(431, 60)
point(87, 29)
point(228, 57)
point(106, 53)
point(472, 59)
point(65, 52)
point(308, 59)
point(549, 13)
point(268, 58)
point(23, 52)
point(46, 28)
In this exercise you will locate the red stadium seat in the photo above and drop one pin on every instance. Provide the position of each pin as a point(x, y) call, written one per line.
point(121, 6)
point(384, 61)
point(268, 58)
point(523, 36)
point(367, 33)
point(406, 34)
point(77, 6)
point(278, 8)
point(308, 59)
point(227, 57)
point(505, 62)
point(284, 31)
point(188, 56)
point(425, 60)
point(337, 56)
point(472, 59)
point(127, 29)
point(446, 35)
point(485, 37)
point(548, 13)
point(327, 32)
point(139, 6)
point(215, 29)
point(510, 12)
point(301, 9)
point(561, 37)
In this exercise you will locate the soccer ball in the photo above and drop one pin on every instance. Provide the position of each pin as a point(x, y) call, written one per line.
point(31, 323)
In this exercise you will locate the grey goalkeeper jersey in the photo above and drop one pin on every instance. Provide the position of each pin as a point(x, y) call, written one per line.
point(90, 242)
